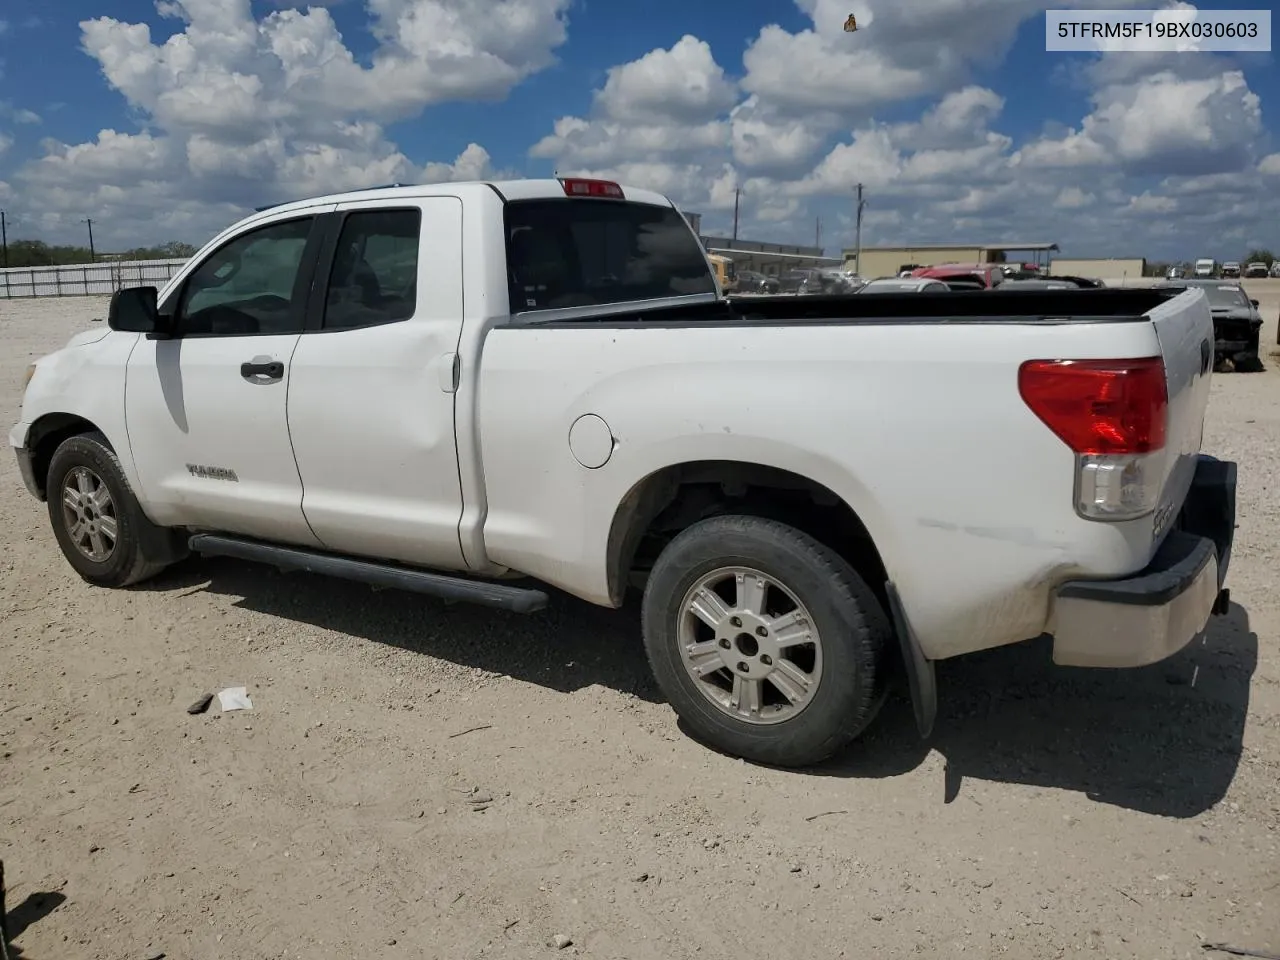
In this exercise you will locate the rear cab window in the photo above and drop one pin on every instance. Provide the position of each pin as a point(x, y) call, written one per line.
point(585, 252)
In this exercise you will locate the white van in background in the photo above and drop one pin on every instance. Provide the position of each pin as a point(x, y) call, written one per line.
point(1206, 268)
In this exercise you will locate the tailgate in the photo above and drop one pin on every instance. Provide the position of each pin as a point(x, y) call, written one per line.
point(1184, 329)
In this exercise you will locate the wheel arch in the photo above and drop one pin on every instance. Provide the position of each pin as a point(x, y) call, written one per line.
point(673, 497)
point(47, 433)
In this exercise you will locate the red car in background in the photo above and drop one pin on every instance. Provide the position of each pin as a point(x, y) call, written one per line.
point(964, 276)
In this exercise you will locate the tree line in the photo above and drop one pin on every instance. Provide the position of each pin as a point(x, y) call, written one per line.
point(37, 253)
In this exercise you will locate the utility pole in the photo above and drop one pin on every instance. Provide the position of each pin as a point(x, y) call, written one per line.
point(4, 238)
point(857, 240)
point(93, 257)
point(737, 192)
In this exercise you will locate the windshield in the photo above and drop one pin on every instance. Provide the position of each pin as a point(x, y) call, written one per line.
point(588, 252)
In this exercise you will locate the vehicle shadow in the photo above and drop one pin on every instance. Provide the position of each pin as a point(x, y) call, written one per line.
point(28, 913)
point(1164, 739)
point(566, 647)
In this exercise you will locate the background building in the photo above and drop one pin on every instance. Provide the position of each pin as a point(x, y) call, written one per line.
point(770, 259)
point(1103, 268)
point(889, 261)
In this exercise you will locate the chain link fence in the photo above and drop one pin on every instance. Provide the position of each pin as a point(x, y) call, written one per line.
point(85, 279)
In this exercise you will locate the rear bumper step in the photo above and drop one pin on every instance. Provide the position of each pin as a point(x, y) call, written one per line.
point(484, 593)
point(1159, 610)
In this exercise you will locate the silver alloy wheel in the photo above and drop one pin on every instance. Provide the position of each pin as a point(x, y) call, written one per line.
point(750, 645)
point(89, 514)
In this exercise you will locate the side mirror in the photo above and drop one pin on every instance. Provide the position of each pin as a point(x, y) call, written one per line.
point(1254, 302)
point(134, 310)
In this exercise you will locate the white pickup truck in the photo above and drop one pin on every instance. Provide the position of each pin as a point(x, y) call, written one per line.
point(475, 390)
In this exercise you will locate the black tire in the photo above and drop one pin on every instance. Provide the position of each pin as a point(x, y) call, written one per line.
point(134, 556)
point(854, 630)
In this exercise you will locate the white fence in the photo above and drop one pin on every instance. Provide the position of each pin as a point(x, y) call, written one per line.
point(85, 279)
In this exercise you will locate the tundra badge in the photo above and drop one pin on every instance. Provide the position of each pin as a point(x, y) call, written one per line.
point(212, 473)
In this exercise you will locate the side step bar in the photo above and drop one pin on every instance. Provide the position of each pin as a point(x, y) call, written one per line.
point(485, 593)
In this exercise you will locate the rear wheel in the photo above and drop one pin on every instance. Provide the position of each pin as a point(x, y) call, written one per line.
point(95, 516)
point(766, 643)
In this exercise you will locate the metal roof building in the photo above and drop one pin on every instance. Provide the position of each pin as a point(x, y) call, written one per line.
point(889, 261)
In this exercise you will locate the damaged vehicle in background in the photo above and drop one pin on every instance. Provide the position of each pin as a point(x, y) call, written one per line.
point(1237, 324)
point(1256, 271)
point(832, 282)
point(905, 285)
point(750, 281)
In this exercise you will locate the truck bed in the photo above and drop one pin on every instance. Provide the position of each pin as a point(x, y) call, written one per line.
point(1012, 306)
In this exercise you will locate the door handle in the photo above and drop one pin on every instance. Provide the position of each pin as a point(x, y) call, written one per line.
point(273, 370)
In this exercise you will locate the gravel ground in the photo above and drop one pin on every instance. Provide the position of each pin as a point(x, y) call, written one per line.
point(1055, 812)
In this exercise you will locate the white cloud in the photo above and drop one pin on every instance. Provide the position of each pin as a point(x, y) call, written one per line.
point(668, 103)
point(6, 142)
point(1148, 202)
point(241, 110)
point(1073, 198)
point(1162, 122)
point(1270, 164)
point(683, 84)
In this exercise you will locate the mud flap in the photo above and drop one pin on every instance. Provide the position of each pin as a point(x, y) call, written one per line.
point(921, 680)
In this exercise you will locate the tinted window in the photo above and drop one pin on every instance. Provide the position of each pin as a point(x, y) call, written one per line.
point(247, 285)
point(577, 253)
point(374, 278)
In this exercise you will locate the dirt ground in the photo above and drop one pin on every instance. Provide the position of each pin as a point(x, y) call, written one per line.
point(1054, 813)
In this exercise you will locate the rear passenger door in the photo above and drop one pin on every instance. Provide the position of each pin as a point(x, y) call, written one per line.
point(372, 392)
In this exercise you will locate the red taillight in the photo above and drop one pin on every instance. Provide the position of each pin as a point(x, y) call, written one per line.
point(1099, 406)
point(577, 187)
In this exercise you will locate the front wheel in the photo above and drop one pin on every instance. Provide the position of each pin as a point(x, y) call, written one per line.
point(765, 642)
point(95, 516)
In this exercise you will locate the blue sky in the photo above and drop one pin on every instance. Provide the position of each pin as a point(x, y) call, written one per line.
point(951, 112)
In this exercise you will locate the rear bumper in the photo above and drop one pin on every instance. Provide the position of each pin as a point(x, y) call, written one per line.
point(1155, 613)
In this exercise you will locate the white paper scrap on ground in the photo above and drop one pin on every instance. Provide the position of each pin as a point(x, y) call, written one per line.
point(235, 698)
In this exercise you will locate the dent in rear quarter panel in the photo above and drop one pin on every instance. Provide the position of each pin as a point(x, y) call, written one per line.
point(919, 428)
point(88, 380)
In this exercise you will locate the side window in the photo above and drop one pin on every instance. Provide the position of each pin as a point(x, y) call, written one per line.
point(246, 286)
point(374, 279)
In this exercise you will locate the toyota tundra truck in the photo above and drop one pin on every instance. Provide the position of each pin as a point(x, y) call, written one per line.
point(483, 391)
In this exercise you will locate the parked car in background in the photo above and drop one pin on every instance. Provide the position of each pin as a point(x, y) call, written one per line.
point(1206, 268)
point(964, 276)
point(1175, 272)
point(1237, 324)
point(905, 285)
point(1231, 270)
point(829, 283)
point(1275, 270)
point(792, 281)
point(1256, 270)
point(750, 281)
point(1042, 283)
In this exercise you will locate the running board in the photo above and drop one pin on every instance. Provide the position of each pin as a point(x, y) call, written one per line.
point(484, 593)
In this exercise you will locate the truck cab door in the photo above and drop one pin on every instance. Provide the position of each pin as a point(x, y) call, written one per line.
point(371, 400)
point(206, 406)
